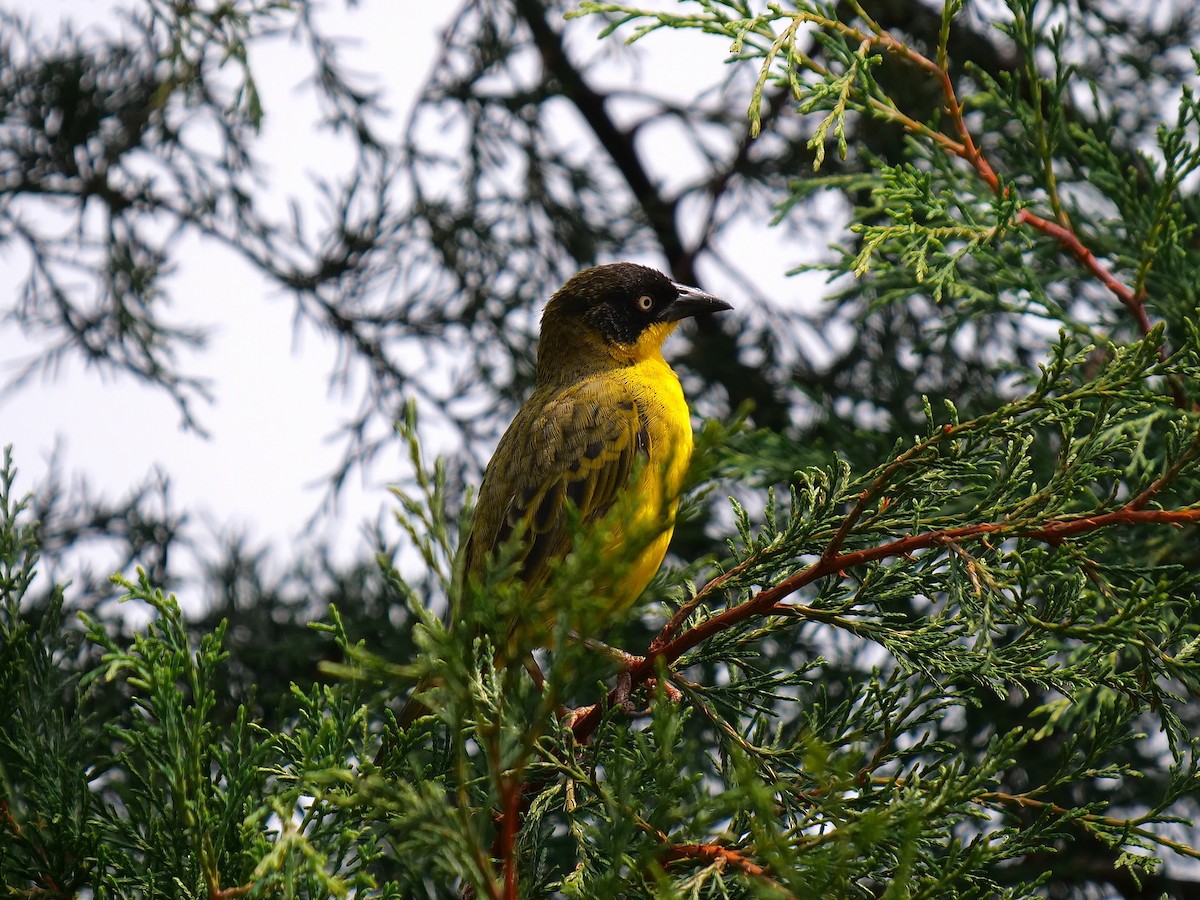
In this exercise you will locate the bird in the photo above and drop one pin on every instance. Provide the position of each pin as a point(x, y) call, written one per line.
point(605, 437)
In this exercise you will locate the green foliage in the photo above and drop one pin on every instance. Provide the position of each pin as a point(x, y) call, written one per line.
point(952, 643)
point(47, 829)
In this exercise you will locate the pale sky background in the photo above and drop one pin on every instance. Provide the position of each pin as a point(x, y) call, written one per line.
point(262, 469)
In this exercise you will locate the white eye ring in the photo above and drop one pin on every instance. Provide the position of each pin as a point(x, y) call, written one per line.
point(645, 303)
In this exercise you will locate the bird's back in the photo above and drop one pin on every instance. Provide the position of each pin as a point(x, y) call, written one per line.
point(618, 438)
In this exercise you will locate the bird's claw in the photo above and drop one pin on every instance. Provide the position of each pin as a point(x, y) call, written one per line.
point(620, 698)
point(624, 688)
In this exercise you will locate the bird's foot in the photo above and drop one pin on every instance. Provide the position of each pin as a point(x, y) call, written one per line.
point(621, 699)
point(624, 688)
point(570, 716)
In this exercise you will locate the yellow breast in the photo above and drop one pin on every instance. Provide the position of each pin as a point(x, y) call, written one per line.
point(657, 391)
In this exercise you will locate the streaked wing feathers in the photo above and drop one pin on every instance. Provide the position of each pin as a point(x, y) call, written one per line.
point(578, 447)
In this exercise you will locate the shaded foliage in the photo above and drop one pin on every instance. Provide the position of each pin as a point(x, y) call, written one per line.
point(956, 715)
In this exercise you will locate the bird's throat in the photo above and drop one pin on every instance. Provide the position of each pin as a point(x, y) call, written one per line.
point(647, 346)
point(568, 351)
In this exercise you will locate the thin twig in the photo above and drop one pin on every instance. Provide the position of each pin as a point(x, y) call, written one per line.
point(721, 857)
point(998, 799)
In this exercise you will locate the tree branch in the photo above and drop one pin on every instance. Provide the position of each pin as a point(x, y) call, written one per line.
point(721, 857)
point(1067, 238)
point(584, 721)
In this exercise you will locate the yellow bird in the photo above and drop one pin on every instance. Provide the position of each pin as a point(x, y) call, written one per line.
point(607, 416)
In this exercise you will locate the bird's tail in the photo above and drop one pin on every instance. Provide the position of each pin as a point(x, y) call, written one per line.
point(413, 709)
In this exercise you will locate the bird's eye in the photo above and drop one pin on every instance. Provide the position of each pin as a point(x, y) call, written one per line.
point(645, 303)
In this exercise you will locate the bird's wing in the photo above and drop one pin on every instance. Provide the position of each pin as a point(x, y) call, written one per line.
point(579, 447)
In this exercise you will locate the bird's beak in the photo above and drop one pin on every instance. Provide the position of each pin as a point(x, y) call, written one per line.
point(690, 302)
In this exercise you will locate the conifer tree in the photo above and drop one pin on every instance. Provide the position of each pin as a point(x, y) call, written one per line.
point(934, 628)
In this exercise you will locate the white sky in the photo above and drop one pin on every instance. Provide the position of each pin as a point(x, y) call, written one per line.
point(261, 470)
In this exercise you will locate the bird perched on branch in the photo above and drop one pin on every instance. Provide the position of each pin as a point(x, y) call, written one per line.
point(605, 438)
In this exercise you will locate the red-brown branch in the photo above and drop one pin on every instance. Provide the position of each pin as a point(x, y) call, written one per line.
point(1070, 243)
point(964, 148)
point(1074, 247)
point(510, 823)
point(1066, 238)
point(723, 857)
point(1089, 821)
point(762, 603)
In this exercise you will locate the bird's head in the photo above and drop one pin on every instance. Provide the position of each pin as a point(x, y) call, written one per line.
point(623, 310)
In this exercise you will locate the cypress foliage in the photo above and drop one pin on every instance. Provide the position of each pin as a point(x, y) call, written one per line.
point(947, 643)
